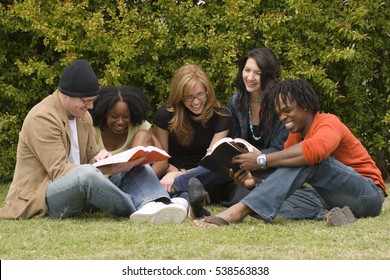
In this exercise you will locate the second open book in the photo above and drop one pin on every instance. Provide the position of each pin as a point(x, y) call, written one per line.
point(219, 157)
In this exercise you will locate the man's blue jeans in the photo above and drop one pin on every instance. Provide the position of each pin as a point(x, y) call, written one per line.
point(337, 184)
point(85, 185)
point(305, 203)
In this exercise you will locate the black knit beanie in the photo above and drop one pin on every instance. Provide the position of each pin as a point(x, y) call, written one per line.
point(79, 80)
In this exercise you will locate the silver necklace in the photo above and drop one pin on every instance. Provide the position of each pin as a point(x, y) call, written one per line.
point(255, 98)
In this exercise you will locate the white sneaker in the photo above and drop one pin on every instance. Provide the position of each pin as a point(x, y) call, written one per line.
point(158, 212)
point(180, 201)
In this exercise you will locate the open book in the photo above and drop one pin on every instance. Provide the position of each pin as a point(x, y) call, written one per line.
point(153, 154)
point(219, 157)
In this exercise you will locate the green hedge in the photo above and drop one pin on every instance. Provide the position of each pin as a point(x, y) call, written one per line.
point(342, 47)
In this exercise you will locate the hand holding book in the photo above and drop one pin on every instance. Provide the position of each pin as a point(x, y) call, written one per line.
point(135, 156)
point(121, 167)
point(219, 157)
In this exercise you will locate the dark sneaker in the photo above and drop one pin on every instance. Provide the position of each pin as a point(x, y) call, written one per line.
point(340, 217)
point(197, 195)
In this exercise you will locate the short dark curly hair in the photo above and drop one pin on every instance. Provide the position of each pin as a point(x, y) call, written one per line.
point(298, 90)
point(109, 95)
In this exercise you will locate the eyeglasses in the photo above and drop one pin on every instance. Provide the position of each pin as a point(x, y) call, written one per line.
point(89, 101)
point(191, 98)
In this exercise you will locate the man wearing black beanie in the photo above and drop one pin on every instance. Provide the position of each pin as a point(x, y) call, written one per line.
point(54, 175)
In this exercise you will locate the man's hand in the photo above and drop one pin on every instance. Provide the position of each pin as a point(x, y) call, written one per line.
point(243, 178)
point(247, 161)
point(101, 155)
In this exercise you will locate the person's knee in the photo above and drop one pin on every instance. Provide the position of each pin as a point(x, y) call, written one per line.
point(142, 137)
point(87, 172)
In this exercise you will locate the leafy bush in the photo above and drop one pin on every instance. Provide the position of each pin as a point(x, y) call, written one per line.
point(342, 47)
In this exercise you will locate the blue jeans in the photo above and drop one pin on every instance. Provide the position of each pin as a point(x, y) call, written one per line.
point(305, 203)
point(85, 185)
point(209, 179)
point(337, 184)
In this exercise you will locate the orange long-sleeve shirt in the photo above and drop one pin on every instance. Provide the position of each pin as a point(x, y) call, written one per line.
point(328, 136)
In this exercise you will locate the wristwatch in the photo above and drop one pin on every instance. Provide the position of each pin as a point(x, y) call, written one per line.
point(262, 161)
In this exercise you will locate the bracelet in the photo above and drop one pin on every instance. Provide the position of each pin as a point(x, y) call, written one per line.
point(183, 171)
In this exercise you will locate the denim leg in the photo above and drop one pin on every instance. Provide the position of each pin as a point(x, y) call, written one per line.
point(142, 184)
point(229, 193)
point(208, 178)
point(82, 186)
point(337, 184)
point(304, 203)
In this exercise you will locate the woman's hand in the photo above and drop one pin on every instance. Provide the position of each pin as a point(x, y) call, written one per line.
point(168, 179)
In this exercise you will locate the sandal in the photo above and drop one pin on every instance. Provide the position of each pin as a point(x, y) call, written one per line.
point(212, 221)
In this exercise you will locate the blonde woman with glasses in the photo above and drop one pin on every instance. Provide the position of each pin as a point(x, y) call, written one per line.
point(189, 123)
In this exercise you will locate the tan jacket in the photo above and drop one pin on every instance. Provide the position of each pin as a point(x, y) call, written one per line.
point(42, 156)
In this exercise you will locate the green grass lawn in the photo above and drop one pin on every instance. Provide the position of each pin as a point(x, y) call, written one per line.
point(100, 236)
